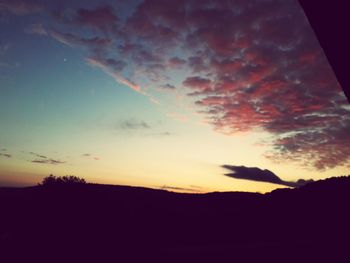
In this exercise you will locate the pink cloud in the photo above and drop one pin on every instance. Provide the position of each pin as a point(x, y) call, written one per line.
point(176, 62)
point(197, 83)
point(117, 76)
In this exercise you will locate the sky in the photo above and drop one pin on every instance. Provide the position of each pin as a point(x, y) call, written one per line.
point(187, 95)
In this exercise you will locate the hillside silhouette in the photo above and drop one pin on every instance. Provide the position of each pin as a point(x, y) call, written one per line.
point(106, 223)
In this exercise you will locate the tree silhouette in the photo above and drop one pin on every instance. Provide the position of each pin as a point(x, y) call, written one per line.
point(52, 180)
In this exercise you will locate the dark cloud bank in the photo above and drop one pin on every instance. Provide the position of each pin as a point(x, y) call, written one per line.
point(259, 175)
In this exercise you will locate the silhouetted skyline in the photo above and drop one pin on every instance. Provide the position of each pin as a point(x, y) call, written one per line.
point(70, 220)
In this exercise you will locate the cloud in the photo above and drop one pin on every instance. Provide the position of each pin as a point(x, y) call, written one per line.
point(38, 155)
point(197, 83)
point(168, 86)
point(117, 65)
point(110, 70)
point(74, 40)
point(69, 38)
point(101, 18)
point(176, 62)
point(248, 66)
point(37, 29)
point(324, 148)
point(259, 175)
point(267, 72)
point(6, 155)
point(43, 159)
point(48, 161)
point(90, 156)
point(172, 188)
point(133, 124)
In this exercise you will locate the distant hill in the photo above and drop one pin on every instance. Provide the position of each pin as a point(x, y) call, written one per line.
point(106, 223)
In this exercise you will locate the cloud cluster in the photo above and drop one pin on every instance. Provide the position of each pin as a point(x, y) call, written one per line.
point(248, 65)
point(43, 159)
point(256, 174)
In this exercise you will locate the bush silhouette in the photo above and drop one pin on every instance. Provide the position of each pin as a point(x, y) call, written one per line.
point(62, 180)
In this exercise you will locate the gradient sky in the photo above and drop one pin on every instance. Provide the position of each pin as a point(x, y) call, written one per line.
point(163, 94)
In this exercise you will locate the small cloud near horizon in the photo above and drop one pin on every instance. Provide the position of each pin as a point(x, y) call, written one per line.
point(174, 188)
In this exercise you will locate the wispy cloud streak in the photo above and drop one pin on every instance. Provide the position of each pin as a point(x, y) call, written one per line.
point(47, 161)
point(117, 76)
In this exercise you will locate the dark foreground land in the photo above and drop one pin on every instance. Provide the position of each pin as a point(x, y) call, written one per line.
point(103, 223)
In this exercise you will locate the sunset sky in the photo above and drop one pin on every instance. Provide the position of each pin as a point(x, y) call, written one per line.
point(167, 94)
